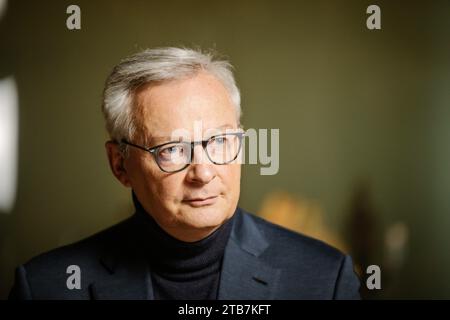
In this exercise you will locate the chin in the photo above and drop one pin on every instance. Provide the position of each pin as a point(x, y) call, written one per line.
point(204, 217)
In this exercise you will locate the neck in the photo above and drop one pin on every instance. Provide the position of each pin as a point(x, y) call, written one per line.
point(172, 252)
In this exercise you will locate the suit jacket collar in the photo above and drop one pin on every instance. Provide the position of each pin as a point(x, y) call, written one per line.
point(244, 274)
point(127, 275)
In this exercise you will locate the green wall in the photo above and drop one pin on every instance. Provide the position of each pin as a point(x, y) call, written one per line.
point(353, 107)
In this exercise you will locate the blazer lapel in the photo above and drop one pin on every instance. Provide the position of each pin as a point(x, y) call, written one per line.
point(124, 284)
point(244, 274)
point(127, 273)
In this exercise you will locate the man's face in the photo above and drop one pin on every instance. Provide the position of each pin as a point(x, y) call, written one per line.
point(168, 107)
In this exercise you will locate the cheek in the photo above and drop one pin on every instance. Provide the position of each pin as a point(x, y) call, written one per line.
point(170, 188)
point(146, 177)
point(141, 171)
point(167, 190)
point(231, 177)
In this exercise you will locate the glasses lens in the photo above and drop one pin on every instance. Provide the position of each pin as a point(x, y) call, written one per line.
point(174, 156)
point(224, 148)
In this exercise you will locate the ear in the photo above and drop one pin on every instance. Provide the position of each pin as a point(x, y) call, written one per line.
point(116, 162)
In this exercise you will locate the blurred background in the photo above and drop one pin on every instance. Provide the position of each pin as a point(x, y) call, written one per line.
point(363, 118)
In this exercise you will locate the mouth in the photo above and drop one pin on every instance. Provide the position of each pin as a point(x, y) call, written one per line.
point(200, 202)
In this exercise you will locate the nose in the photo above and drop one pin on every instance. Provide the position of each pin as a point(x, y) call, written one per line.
point(201, 170)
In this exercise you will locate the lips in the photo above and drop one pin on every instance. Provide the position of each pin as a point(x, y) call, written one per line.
point(200, 202)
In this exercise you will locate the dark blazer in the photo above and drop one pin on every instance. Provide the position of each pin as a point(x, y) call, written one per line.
point(262, 261)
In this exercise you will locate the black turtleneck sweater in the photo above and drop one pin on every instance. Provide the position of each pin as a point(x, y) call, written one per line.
point(183, 270)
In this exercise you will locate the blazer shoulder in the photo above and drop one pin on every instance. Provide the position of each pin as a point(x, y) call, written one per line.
point(80, 252)
point(45, 276)
point(296, 245)
point(323, 271)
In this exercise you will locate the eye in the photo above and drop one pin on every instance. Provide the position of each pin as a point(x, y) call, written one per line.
point(172, 149)
point(171, 152)
point(220, 140)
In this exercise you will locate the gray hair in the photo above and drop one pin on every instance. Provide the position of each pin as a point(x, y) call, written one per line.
point(156, 65)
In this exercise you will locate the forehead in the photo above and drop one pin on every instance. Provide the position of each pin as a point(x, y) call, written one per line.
point(184, 105)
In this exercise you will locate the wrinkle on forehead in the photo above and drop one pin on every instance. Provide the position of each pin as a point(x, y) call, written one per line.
point(156, 111)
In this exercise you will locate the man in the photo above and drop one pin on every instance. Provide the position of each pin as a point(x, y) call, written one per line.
point(173, 115)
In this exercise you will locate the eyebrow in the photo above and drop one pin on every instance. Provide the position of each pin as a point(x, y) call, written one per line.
point(154, 140)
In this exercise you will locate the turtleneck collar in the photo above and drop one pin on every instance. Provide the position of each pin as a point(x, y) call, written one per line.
point(176, 259)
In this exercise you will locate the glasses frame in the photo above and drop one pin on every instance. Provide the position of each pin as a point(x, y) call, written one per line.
point(204, 143)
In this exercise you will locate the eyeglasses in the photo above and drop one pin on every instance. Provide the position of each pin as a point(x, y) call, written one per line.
point(177, 155)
